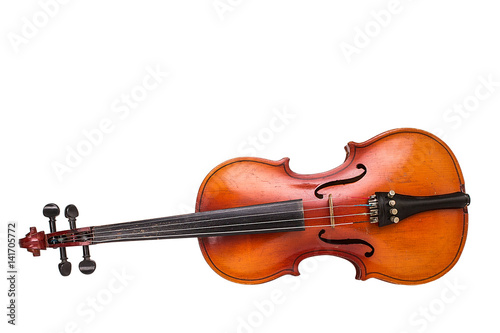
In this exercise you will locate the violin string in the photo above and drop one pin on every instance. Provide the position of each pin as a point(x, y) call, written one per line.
point(158, 229)
point(204, 234)
point(104, 229)
point(275, 204)
point(158, 232)
point(323, 201)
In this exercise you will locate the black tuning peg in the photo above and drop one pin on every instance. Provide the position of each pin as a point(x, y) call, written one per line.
point(64, 266)
point(51, 210)
point(87, 265)
point(71, 212)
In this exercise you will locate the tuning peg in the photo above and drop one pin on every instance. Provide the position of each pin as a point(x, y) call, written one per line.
point(71, 213)
point(87, 265)
point(51, 210)
point(64, 266)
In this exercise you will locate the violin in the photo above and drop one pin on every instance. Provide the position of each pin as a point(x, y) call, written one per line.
point(396, 209)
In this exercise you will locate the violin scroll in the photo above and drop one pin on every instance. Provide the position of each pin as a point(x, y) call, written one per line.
point(34, 241)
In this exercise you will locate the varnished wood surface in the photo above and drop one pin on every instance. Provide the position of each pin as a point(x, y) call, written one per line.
point(419, 249)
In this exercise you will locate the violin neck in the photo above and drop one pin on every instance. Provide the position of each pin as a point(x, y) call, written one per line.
point(265, 218)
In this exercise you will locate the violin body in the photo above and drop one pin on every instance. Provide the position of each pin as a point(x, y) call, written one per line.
point(418, 249)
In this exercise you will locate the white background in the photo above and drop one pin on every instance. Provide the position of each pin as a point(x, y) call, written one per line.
point(67, 66)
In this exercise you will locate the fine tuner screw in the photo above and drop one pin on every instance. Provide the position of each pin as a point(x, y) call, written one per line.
point(87, 265)
point(392, 203)
point(51, 210)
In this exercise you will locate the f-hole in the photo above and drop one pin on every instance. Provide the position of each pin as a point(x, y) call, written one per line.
point(340, 181)
point(347, 241)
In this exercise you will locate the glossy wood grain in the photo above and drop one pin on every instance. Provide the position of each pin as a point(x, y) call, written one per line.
point(419, 249)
